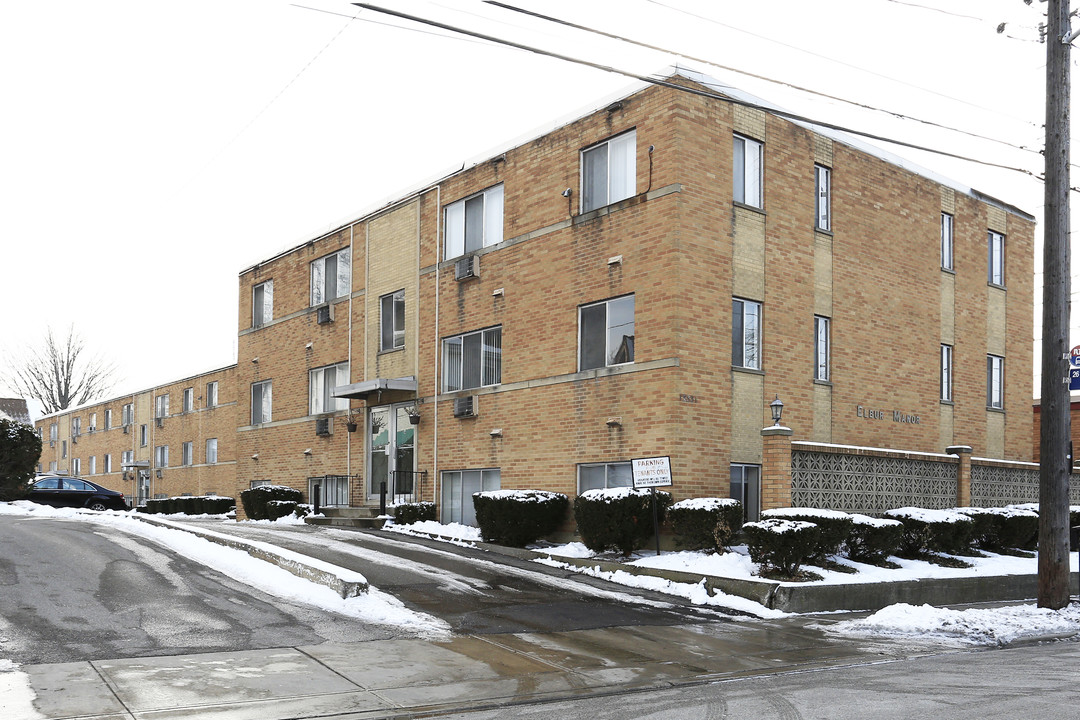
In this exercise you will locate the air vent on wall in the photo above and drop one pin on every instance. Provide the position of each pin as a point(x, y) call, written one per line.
point(325, 314)
point(127, 429)
point(323, 426)
point(465, 406)
point(467, 267)
point(160, 422)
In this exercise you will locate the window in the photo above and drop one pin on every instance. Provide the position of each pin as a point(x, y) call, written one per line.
point(606, 333)
point(996, 258)
point(472, 360)
point(946, 372)
point(211, 394)
point(76, 466)
point(598, 476)
point(946, 241)
point(261, 402)
point(331, 277)
point(211, 451)
point(747, 169)
point(262, 303)
point(823, 194)
point(392, 321)
point(161, 456)
point(746, 334)
point(106, 463)
point(321, 384)
point(126, 415)
point(745, 487)
point(52, 466)
point(609, 172)
point(144, 435)
point(127, 458)
point(108, 419)
point(458, 487)
point(93, 464)
point(474, 222)
point(76, 426)
point(821, 348)
point(188, 400)
point(93, 422)
point(186, 454)
point(63, 449)
point(161, 406)
point(995, 382)
point(52, 432)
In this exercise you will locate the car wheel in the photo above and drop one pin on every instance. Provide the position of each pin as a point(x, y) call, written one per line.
point(97, 505)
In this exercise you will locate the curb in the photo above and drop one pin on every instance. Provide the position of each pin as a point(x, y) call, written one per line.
point(344, 582)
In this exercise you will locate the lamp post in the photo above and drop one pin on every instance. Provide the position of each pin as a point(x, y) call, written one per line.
point(777, 408)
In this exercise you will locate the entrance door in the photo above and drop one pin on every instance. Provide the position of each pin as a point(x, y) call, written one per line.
point(391, 452)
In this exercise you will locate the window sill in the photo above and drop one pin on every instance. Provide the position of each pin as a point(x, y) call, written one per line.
point(826, 383)
point(823, 231)
point(751, 208)
point(948, 402)
point(950, 271)
point(391, 351)
point(751, 371)
point(995, 285)
point(996, 410)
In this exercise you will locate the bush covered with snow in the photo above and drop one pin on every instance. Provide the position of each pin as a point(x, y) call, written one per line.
point(277, 509)
point(944, 531)
point(409, 513)
point(20, 449)
point(705, 523)
point(189, 505)
point(781, 545)
point(835, 526)
point(256, 499)
point(519, 517)
point(873, 540)
point(619, 518)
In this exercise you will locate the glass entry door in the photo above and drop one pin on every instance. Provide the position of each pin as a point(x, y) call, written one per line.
point(391, 452)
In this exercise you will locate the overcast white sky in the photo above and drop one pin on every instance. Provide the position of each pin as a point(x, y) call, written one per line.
point(149, 152)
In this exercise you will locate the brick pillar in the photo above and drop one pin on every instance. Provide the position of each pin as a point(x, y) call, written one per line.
point(963, 474)
point(776, 467)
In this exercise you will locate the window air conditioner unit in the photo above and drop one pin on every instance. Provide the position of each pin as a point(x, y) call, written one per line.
point(92, 429)
point(52, 443)
point(465, 406)
point(324, 426)
point(325, 314)
point(467, 267)
point(160, 422)
point(74, 439)
point(127, 429)
point(158, 473)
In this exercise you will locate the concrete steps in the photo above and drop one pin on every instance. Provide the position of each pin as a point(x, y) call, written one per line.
point(350, 517)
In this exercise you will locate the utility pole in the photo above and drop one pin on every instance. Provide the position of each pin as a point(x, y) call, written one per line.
point(1055, 465)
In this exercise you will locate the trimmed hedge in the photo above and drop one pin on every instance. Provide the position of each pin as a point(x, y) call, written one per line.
point(519, 517)
point(618, 518)
point(189, 505)
point(706, 523)
point(835, 527)
point(410, 513)
point(256, 499)
point(873, 540)
point(943, 531)
point(276, 509)
point(781, 545)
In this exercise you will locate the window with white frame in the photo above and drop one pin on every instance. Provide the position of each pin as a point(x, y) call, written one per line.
point(211, 451)
point(262, 402)
point(76, 466)
point(161, 406)
point(92, 464)
point(106, 463)
point(747, 171)
point(458, 487)
point(472, 360)
point(126, 415)
point(189, 399)
point(211, 394)
point(127, 458)
point(392, 321)
point(746, 488)
point(53, 434)
point(600, 476)
point(108, 419)
point(474, 222)
point(946, 372)
point(946, 241)
point(161, 456)
point(63, 449)
point(331, 277)
point(609, 171)
point(52, 466)
point(746, 334)
point(93, 422)
point(822, 347)
point(76, 426)
point(186, 454)
point(606, 333)
point(995, 382)
point(144, 435)
point(995, 274)
point(321, 385)
point(262, 303)
point(823, 195)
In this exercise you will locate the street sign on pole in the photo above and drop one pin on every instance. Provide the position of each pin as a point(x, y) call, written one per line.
point(652, 472)
point(1074, 379)
point(1074, 356)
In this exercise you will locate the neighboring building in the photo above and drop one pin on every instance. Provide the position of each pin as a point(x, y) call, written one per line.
point(174, 439)
point(15, 409)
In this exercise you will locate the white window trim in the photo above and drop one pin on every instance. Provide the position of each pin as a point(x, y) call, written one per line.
point(610, 352)
point(822, 348)
point(823, 198)
point(948, 231)
point(947, 372)
point(397, 336)
point(319, 296)
point(995, 270)
point(745, 190)
point(741, 362)
point(449, 342)
point(455, 226)
point(267, 395)
point(608, 466)
point(620, 148)
point(267, 315)
point(211, 459)
point(995, 382)
point(318, 392)
point(211, 394)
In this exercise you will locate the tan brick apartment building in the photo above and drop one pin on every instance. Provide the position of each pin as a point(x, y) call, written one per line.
point(641, 281)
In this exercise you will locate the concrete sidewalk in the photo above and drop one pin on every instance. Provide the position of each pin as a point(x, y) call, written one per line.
point(389, 678)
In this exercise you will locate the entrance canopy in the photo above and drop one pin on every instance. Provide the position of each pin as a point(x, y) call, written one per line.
point(368, 388)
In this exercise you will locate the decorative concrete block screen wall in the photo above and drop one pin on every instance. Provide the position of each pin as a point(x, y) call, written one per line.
point(995, 483)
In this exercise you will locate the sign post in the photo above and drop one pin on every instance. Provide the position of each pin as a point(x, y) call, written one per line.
point(652, 473)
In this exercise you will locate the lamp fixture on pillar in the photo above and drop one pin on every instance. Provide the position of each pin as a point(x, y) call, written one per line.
point(777, 409)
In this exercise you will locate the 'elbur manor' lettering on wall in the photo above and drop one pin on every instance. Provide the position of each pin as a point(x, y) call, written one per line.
point(897, 416)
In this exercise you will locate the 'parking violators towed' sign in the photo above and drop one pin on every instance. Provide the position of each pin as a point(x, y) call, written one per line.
point(652, 472)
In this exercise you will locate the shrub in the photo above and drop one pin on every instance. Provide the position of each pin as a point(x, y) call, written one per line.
point(410, 513)
point(706, 523)
point(834, 526)
point(873, 540)
point(20, 449)
point(519, 517)
point(984, 528)
point(218, 505)
point(925, 531)
point(1016, 528)
point(619, 518)
point(781, 545)
point(280, 508)
point(255, 500)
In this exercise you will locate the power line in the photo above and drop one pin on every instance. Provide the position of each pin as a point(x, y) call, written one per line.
point(694, 91)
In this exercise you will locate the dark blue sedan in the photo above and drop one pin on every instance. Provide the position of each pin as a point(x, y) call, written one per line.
point(60, 491)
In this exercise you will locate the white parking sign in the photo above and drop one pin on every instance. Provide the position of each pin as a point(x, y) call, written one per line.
point(652, 472)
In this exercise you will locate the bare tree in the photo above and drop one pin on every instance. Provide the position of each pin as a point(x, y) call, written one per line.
point(60, 374)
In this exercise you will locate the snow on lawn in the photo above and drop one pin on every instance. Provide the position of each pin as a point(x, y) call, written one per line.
point(452, 532)
point(373, 607)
